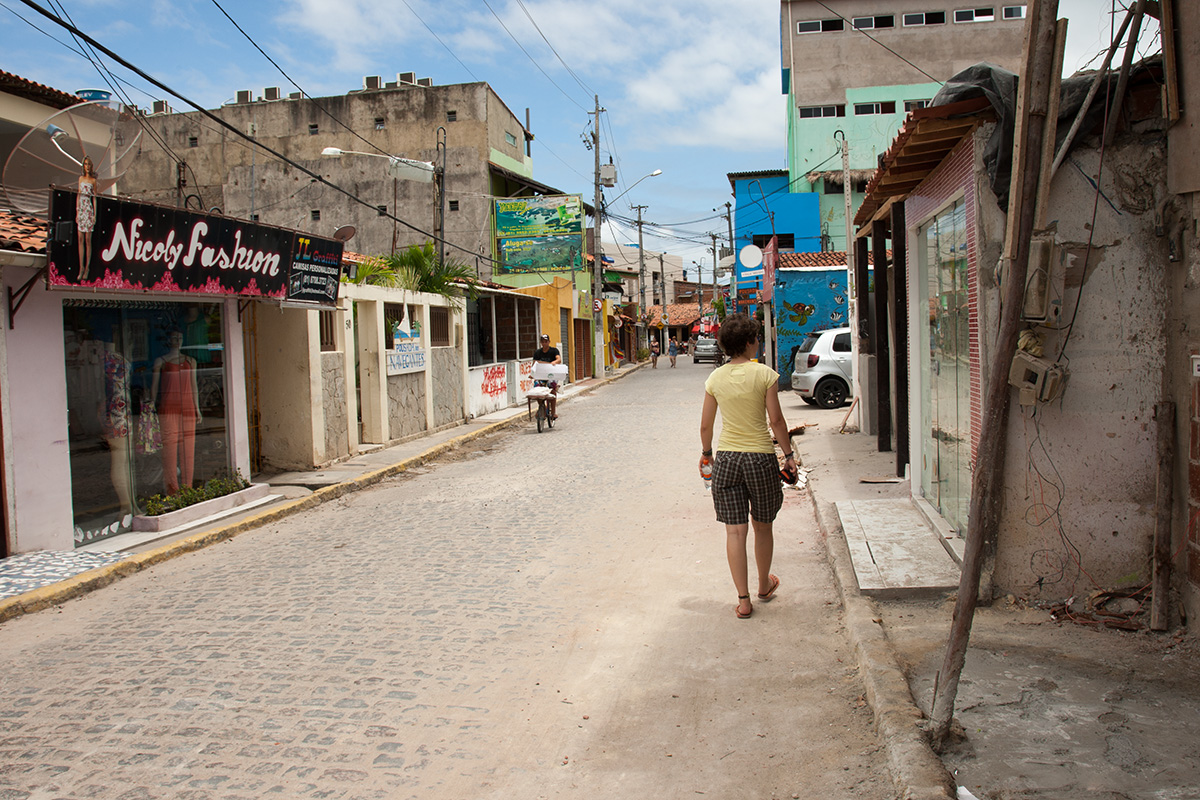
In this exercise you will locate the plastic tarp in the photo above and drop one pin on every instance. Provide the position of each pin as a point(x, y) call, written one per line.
point(999, 86)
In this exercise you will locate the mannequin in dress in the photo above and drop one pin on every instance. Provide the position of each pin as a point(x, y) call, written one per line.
point(178, 412)
point(85, 216)
point(114, 420)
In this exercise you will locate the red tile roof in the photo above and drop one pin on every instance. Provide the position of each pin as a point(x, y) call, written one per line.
point(833, 258)
point(22, 232)
point(39, 93)
point(677, 313)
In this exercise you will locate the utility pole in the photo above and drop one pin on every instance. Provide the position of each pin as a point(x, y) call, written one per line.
point(852, 288)
point(733, 298)
point(641, 267)
point(662, 296)
point(597, 267)
point(715, 262)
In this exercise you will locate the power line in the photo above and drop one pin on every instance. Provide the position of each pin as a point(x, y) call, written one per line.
point(105, 73)
point(320, 107)
point(570, 71)
point(881, 44)
point(439, 41)
point(222, 123)
point(526, 52)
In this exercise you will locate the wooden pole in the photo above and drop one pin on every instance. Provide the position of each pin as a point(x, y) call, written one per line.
point(1160, 610)
point(986, 483)
point(1114, 113)
point(1091, 95)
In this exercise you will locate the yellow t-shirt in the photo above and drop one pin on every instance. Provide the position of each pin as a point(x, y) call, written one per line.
point(741, 394)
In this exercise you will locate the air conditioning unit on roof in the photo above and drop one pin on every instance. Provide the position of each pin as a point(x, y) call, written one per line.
point(425, 82)
point(244, 96)
point(407, 77)
point(372, 82)
point(160, 107)
point(271, 93)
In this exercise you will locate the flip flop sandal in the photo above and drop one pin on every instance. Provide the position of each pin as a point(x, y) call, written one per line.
point(769, 596)
point(737, 609)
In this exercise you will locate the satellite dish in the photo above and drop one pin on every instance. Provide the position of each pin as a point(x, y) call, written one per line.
point(52, 153)
point(751, 255)
point(345, 233)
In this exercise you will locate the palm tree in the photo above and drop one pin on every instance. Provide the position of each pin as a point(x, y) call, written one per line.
point(418, 269)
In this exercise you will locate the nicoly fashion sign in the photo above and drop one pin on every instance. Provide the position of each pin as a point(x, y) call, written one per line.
point(123, 246)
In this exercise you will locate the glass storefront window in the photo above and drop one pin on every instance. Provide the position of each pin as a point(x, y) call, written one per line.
point(146, 406)
point(945, 367)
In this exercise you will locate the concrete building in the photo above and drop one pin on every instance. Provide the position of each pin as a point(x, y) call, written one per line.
point(486, 154)
point(855, 68)
point(1103, 401)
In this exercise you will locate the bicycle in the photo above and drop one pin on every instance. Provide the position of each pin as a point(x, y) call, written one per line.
point(544, 392)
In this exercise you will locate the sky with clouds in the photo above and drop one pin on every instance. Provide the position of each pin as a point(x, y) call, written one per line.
point(691, 87)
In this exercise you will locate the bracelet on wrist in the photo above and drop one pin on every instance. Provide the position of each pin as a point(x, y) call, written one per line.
point(706, 452)
point(789, 455)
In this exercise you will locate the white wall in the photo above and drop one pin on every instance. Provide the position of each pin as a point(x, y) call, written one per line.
point(37, 466)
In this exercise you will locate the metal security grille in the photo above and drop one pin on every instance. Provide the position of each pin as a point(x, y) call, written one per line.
point(439, 327)
point(328, 331)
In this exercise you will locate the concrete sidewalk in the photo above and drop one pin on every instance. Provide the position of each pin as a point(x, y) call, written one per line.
point(1047, 708)
point(35, 581)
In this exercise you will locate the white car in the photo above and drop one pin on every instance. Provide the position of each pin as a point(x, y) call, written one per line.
point(821, 370)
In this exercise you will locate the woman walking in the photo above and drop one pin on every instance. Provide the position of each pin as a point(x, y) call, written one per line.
point(745, 472)
point(673, 351)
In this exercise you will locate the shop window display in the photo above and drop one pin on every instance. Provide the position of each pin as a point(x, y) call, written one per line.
point(146, 406)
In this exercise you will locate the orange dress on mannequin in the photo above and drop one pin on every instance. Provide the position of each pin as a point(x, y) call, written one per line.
point(177, 417)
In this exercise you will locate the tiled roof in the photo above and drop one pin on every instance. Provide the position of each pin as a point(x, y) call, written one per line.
point(39, 93)
point(678, 313)
point(834, 258)
point(22, 232)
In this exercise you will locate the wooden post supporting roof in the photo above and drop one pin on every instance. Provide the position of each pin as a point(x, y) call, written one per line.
point(862, 281)
point(900, 332)
point(883, 359)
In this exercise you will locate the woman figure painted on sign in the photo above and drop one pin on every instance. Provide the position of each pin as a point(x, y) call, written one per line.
point(85, 216)
point(178, 412)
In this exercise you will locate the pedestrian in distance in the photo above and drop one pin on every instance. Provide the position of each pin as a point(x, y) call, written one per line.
point(745, 471)
point(654, 350)
point(673, 351)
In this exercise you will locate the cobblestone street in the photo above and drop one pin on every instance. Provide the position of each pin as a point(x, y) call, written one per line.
point(539, 615)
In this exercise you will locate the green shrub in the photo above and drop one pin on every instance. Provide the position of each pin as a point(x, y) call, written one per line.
point(218, 486)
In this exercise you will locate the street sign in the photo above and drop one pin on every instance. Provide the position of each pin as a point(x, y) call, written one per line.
point(664, 319)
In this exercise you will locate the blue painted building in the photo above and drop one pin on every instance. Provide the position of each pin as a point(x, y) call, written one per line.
point(765, 206)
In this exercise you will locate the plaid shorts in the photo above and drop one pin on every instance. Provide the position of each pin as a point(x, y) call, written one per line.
point(744, 483)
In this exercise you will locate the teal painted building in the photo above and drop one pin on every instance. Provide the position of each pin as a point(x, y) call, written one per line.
point(853, 69)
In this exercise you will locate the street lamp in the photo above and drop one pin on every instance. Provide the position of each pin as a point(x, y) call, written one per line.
point(403, 168)
point(654, 174)
point(408, 169)
point(597, 253)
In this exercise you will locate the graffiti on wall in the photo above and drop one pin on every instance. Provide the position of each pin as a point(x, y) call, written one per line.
point(525, 377)
point(808, 300)
point(495, 381)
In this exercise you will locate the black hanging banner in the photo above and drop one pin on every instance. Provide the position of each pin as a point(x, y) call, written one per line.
point(102, 242)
